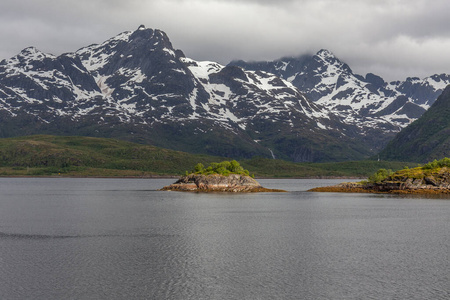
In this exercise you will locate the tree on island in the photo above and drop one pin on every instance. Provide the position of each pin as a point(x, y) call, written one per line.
point(224, 168)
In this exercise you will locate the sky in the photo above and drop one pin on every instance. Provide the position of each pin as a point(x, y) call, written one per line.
point(391, 38)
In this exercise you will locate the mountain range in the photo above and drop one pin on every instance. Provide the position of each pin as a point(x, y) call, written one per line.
point(136, 86)
point(368, 101)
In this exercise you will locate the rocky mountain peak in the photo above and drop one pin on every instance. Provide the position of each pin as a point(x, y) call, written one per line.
point(331, 63)
point(28, 55)
point(144, 51)
point(326, 54)
point(30, 50)
point(150, 37)
point(375, 80)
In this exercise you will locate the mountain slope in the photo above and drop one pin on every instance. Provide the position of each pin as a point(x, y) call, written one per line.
point(425, 139)
point(45, 154)
point(377, 107)
point(137, 87)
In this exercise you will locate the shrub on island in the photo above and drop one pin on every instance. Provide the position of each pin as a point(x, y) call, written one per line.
point(224, 168)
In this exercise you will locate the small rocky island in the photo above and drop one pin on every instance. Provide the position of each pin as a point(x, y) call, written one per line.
point(431, 178)
point(227, 176)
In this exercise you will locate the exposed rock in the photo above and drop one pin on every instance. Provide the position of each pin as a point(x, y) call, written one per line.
point(431, 180)
point(217, 183)
point(433, 183)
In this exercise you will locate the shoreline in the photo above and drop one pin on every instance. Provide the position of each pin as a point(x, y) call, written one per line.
point(168, 177)
point(352, 189)
point(224, 191)
point(87, 177)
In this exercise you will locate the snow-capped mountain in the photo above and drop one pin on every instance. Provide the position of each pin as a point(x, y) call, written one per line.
point(136, 86)
point(368, 101)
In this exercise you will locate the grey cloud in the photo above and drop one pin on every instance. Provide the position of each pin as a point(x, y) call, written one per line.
point(388, 37)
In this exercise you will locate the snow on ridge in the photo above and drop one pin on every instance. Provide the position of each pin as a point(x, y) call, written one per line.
point(133, 75)
point(128, 107)
point(169, 51)
point(219, 93)
point(121, 37)
point(96, 61)
point(328, 59)
point(271, 94)
point(33, 54)
point(321, 126)
point(24, 60)
point(95, 57)
point(104, 88)
point(202, 69)
point(281, 67)
point(192, 99)
point(438, 85)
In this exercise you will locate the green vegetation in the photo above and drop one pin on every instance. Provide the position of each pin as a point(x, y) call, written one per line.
point(45, 155)
point(263, 167)
point(224, 168)
point(420, 172)
point(380, 175)
point(445, 162)
point(426, 138)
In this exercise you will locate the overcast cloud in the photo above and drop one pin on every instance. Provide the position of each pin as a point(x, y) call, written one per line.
point(391, 38)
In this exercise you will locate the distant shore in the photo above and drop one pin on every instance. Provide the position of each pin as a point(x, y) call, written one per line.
point(379, 189)
point(93, 176)
point(163, 176)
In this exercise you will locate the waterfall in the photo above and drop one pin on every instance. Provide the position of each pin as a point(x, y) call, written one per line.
point(271, 152)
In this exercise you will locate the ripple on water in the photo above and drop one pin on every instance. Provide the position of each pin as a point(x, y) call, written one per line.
point(110, 242)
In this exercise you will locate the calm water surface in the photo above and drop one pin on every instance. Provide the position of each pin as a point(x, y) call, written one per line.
point(123, 239)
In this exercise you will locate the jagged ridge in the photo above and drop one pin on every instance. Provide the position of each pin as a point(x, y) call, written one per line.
point(135, 86)
point(376, 108)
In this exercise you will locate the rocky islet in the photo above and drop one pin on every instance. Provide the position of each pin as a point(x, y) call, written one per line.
point(233, 183)
point(436, 181)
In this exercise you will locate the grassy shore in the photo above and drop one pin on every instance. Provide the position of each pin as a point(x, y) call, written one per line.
point(73, 156)
point(431, 178)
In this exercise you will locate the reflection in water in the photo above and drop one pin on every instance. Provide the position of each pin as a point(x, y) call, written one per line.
point(116, 239)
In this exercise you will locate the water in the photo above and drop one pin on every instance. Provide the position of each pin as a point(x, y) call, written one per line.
point(123, 239)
